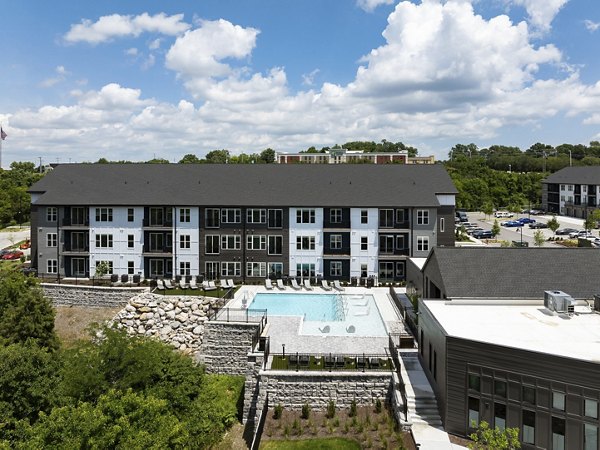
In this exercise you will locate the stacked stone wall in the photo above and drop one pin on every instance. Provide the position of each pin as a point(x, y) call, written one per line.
point(226, 346)
point(93, 296)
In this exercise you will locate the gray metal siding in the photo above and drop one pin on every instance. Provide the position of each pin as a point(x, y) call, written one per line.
point(446, 237)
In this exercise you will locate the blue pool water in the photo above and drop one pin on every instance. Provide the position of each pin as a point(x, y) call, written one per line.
point(313, 307)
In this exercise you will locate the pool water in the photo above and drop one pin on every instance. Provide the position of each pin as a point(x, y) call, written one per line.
point(313, 307)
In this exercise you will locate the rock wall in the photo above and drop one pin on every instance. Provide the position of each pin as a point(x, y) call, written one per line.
point(178, 320)
point(98, 296)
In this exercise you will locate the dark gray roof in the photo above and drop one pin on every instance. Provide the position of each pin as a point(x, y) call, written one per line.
point(358, 185)
point(575, 175)
point(495, 272)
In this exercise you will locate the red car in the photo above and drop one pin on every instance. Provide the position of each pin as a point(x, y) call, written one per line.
point(13, 255)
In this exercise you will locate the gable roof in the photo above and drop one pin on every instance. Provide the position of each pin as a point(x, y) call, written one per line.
point(575, 175)
point(357, 185)
point(496, 272)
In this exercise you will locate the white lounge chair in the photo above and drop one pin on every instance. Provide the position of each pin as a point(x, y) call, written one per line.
point(212, 285)
point(280, 284)
point(182, 284)
point(325, 285)
point(193, 284)
point(223, 284)
point(307, 285)
point(160, 285)
point(268, 283)
point(337, 286)
point(168, 284)
point(230, 283)
point(207, 286)
point(295, 285)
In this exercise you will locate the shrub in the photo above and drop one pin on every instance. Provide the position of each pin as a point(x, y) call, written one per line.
point(330, 409)
point(305, 411)
point(277, 411)
point(378, 406)
point(352, 408)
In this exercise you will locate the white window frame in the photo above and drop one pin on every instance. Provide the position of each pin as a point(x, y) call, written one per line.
point(256, 269)
point(335, 215)
point(335, 241)
point(231, 242)
point(272, 242)
point(51, 213)
point(52, 266)
point(185, 241)
point(422, 243)
point(275, 268)
point(256, 215)
point(130, 241)
point(185, 269)
point(364, 243)
point(109, 264)
point(335, 269)
point(442, 224)
point(231, 269)
point(422, 217)
point(310, 269)
point(302, 240)
point(51, 240)
point(256, 242)
point(104, 214)
point(231, 215)
point(104, 241)
point(212, 238)
point(306, 215)
point(390, 216)
point(185, 215)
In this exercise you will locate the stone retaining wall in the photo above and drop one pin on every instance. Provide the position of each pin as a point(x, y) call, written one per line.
point(93, 296)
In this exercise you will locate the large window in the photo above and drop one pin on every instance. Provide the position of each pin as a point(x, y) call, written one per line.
point(79, 215)
point(157, 242)
point(386, 218)
point(305, 242)
point(528, 394)
point(52, 266)
point(558, 433)
point(305, 216)
point(558, 400)
point(256, 242)
point(185, 215)
point(256, 269)
point(104, 241)
point(211, 216)
point(474, 382)
point(157, 268)
point(78, 267)
point(500, 415)
point(51, 213)
point(528, 430)
point(386, 270)
point(335, 241)
point(275, 218)
point(51, 240)
point(335, 215)
point(130, 214)
point(305, 270)
point(231, 215)
point(212, 244)
point(231, 242)
point(256, 216)
point(104, 214)
point(386, 244)
point(275, 269)
point(212, 270)
point(335, 268)
point(422, 217)
point(473, 412)
point(364, 216)
point(423, 243)
point(591, 408)
point(157, 216)
point(130, 241)
point(590, 437)
point(184, 268)
point(275, 245)
point(231, 269)
point(184, 241)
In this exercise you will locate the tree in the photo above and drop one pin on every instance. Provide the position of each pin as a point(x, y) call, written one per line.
point(553, 224)
point(495, 228)
point(158, 161)
point(486, 438)
point(217, 157)
point(591, 220)
point(539, 238)
point(190, 159)
point(488, 209)
point(267, 156)
point(102, 269)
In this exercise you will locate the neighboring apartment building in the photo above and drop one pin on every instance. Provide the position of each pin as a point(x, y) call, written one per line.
point(492, 350)
point(245, 222)
point(342, 156)
point(572, 191)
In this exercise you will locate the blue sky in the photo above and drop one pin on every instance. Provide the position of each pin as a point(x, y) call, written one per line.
point(137, 79)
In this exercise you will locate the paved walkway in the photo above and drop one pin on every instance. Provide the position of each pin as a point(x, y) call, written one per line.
point(11, 236)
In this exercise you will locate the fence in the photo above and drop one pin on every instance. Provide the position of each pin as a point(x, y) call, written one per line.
point(332, 362)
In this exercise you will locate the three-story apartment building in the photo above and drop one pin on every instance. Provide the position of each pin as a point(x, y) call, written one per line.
point(243, 222)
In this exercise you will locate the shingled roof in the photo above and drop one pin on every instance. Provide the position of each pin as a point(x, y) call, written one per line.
point(575, 175)
point(356, 185)
point(494, 272)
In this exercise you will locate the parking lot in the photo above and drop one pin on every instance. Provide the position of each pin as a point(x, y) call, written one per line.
point(525, 234)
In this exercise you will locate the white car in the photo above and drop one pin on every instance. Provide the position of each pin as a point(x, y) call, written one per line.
point(583, 234)
point(501, 214)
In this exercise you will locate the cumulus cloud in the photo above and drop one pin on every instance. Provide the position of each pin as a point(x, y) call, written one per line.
point(308, 79)
point(591, 26)
point(370, 5)
point(114, 26)
point(61, 74)
point(541, 12)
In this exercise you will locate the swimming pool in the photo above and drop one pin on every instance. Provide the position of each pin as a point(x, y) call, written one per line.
point(342, 314)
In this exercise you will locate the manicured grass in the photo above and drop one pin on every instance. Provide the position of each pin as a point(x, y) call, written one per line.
point(217, 293)
point(312, 444)
point(318, 363)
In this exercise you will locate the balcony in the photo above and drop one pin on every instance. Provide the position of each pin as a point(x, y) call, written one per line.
point(75, 222)
point(336, 251)
point(162, 251)
point(157, 224)
point(75, 249)
point(394, 252)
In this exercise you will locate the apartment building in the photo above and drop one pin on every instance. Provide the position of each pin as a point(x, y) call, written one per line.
point(572, 191)
point(244, 222)
point(343, 156)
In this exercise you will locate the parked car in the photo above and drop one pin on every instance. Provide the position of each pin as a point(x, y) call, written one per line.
point(565, 231)
point(15, 254)
point(499, 214)
point(483, 234)
point(512, 223)
point(537, 212)
point(472, 231)
point(525, 220)
point(583, 234)
point(537, 225)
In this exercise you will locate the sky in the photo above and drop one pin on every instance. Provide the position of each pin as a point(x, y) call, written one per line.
point(139, 79)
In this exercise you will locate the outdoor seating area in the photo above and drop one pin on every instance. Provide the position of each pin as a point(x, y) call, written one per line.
point(304, 284)
point(331, 362)
point(191, 283)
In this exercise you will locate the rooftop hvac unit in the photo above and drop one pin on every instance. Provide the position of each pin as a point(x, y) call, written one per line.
point(559, 302)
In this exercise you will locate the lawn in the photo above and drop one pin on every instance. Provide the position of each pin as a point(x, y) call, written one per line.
point(313, 444)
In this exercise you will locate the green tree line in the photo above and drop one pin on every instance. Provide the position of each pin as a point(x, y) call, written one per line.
point(14, 199)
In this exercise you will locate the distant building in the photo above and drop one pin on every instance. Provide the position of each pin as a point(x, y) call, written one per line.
point(342, 155)
point(572, 191)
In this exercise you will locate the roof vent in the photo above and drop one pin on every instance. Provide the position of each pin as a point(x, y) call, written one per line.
point(558, 301)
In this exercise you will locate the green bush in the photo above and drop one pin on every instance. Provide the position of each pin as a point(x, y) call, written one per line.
point(330, 409)
point(277, 411)
point(305, 411)
point(378, 406)
point(352, 409)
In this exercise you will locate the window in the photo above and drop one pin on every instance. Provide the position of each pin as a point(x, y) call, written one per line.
point(212, 244)
point(256, 242)
point(558, 400)
point(529, 394)
point(130, 267)
point(157, 216)
point(51, 213)
point(422, 217)
point(256, 269)
point(474, 382)
point(386, 218)
point(130, 214)
point(562, 198)
point(386, 243)
point(528, 432)
point(275, 269)
point(231, 269)
point(104, 214)
point(590, 437)
point(590, 408)
point(79, 242)
point(473, 412)
point(184, 241)
point(157, 242)
point(364, 216)
point(130, 241)
point(231, 242)
point(275, 218)
point(305, 216)
point(400, 216)
point(558, 433)
point(386, 270)
point(305, 242)
point(364, 243)
point(109, 264)
point(79, 216)
point(212, 270)
point(184, 268)
point(562, 187)
point(442, 224)
point(185, 215)
point(570, 187)
point(399, 269)
point(104, 241)
point(157, 268)
point(256, 216)
point(335, 269)
point(52, 265)
point(335, 241)
point(51, 240)
point(211, 218)
point(422, 243)
point(305, 270)
point(400, 242)
point(500, 388)
point(500, 415)
point(231, 215)
point(275, 245)
point(363, 271)
point(335, 215)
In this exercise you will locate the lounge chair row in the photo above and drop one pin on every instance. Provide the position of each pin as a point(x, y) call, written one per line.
point(306, 285)
point(162, 285)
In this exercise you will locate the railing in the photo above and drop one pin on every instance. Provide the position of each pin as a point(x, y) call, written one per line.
point(74, 222)
point(401, 340)
point(261, 425)
point(329, 362)
point(395, 344)
point(408, 313)
point(247, 315)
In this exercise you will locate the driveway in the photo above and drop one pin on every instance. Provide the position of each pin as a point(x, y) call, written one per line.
point(12, 235)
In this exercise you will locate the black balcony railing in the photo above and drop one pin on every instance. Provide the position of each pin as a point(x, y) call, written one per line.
point(157, 223)
point(330, 362)
point(75, 222)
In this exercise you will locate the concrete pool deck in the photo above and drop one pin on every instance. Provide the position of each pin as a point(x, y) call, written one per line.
point(288, 329)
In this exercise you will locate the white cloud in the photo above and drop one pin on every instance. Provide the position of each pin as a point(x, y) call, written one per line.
point(149, 62)
point(131, 51)
point(541, 12)
point(61, 74)
point(591, 26)
point(107, 28)
point(370, 5)
point(155, 44)
point(308, 79)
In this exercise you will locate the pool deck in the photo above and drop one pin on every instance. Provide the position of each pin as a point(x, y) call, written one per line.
point(288, 329)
